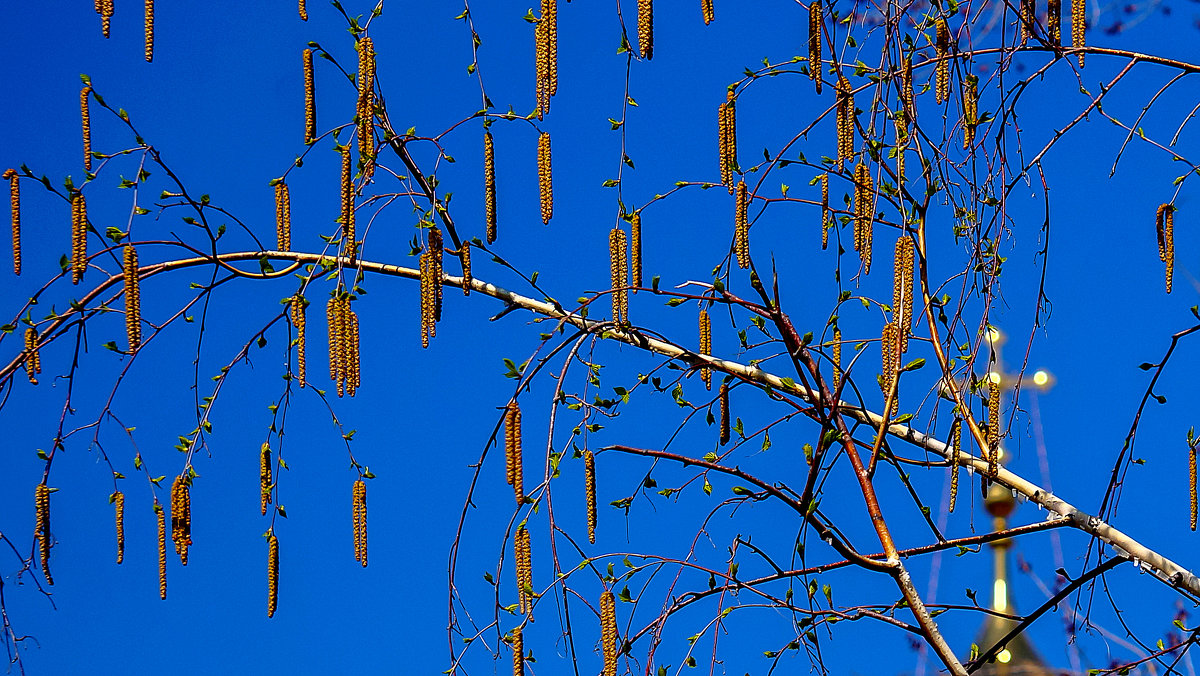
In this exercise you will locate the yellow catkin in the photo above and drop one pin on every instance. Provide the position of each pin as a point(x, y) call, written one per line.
point(723, 396)
point(297, 311)
point(901, 144)
point(618, 267)
point(437, 247)
point(741, 232)
point(160, 513)
point(942, 55)
point(706, 8)
point(333, 320)
point(79, 224)
point(42, 527)
point(489, 186)
point(845, 119)
point(33, 358)
point(635, 250)
point(355, 375)
point(105, 9)
point(310, 97)
point(541, 63)
point(864, 214)
point(890, 347)
point(545, 177)
point(970, 116)
point(552, 44)
point(706, 346)
point(366, 105)
point(86, 118)
point(181, 516)
point(1054, 21)
point(902, 288)
point(464, 258)
point(955, 446)
point(303, 10)
point(727, 139)
point(814, 42)
point(837, 359)
point(272, 574)
point(1026, 17)
point(343, 345)
point(264, 476)
point(512, 451)
point(347, 183)
point(428, 324)
point(826, 220)
point(646, 28)
point(14, 197)
point(906, 91)
point(518, 647)
point(608, 632)
point(1192, 485)
point(589, 492)
point(133, 299)
point(1165, 226)
point(149, 31)
point(523, 557)
point(358, 497)
point(283, 217)
point(993, 427)
point(1078, 25)
point(118, 499)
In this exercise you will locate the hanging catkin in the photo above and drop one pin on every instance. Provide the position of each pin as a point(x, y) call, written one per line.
point(133, 299)
point(635, 250)
point(512, 451)
point(970, 109)
point(518, 647)
point(837, 360)
point(993, 427)
point(118, 499)
point(105, 9)
point(428, 290)
point(523, 558)
point(1026, 18)
point(1192, 484)
point(741, 231)
point(348, 235)
point(826, 220)
point(333, 320)
point(1078, 25)
point(814, 42)
point(14, 197)
point(845, 119)
point(646, 28)
point(264, 476)
point(283, 217)
point(33, 357)
point(464, 259)
point(902, 289)
point(955, 447)
point(545, 178)
point(42, 530)
point(343, 344)
point(181, 516)
point(162, 550)
point(608, 632)
point(489, 186)
point(310, 95)
point(303, 10)
point(358, 497)
point(890, 347)
point(589, 491)
point(272, 573)
point(864, 214)
point(706, 346)
point(79, 224)
point(86, 118)
point(552, 43)
point(366, 106)
point(723, 396)
point(619, 273)
point(901, 145)
point(706, 8)
point(1165, 226)
point(727, 139)
point(941, 54)
point(906, 91)
point(1054, 21)
point(297, 309)
point(149, 31)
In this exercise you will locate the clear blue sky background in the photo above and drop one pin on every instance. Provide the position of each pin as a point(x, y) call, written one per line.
point(223, 103)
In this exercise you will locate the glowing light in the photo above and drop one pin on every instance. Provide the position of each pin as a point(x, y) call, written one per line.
point(1000, 596)
point(1003, 656)
point(994, 335)
point(1040, 378)
point(994, 376)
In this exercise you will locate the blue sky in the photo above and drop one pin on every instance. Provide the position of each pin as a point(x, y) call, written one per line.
point(222, 102)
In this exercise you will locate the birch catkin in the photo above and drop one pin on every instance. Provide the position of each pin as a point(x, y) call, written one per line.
point(723, 396)
point(619, 272)
point(118, 499)
point(42, 527)
point(310, 95)
point(1026, 18)
point(826, 221)
point(890, 347)
point(1078, 25)
point(464, 258)
point(706, 347)
point(845, 119)
point(298, 308)
point(608, 633)
point(105, 9)
point(512, 451)
point(993, 427)
point(635, 250)
point(79, 223)
point(86, 118)
point(264, 476)
point(706, 8)
point(149, 31)
point(970, 109)
point(955, 447)
point(545, 178)
point(133, 299)
point(14, 197)
point(359, 500)
point(272, 574)
point(864, 214)
point(524, 562)
point(741, 232)
point(1054, 21)
point(902, 289)
point(489, 186)
point(1165, 225)
point(941, 53)
point(160, 514)
point(726, 140)
point(589, 491)
point(303, 10)
point(814, 42)
point(33, 357)
point(181, 516)
point(518, 647)
point(646, 28)
point(333, 321)
point(283, 217)
point(349, 246)
point(837, 359)
point(366, 106)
